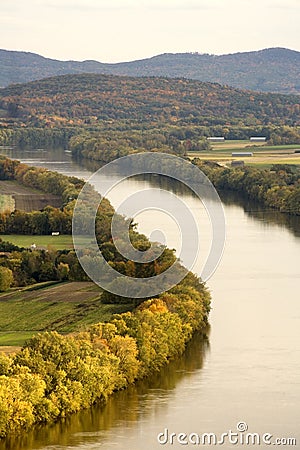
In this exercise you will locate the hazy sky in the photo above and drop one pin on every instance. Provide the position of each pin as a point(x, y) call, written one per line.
point(120, 30)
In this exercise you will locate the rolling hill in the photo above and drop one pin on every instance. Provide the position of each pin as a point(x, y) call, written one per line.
point(87, 98)
point(268, 70)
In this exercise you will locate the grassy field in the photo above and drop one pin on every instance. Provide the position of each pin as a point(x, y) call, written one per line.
point(60, 242)
point(26, 198)
point(14, 339)
point(263, 155)
point(64, 307)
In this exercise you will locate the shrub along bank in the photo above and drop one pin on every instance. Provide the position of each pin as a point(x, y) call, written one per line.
point(53, 375)
point(278, 187)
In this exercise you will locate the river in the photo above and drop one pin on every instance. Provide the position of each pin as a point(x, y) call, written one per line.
point(249, 368)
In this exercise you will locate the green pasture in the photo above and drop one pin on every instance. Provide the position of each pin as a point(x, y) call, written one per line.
point(65, 308)
point(60, 242)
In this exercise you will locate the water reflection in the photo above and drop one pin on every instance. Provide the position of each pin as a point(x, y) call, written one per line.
point(261, 213)
point(122, 411)
point(252, 209)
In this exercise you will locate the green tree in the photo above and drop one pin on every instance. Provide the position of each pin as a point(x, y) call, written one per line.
point(6, 278)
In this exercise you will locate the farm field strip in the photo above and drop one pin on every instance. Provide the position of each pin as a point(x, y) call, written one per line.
point(26, 198)
point(262, 155)
point(65, 307)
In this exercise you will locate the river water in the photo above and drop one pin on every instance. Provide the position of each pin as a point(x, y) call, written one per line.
point(249, 368)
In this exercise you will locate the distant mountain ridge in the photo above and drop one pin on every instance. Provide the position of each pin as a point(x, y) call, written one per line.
point(269, 70)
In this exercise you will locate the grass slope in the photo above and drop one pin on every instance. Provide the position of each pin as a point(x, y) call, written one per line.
point(64, 307)
point(25, 198)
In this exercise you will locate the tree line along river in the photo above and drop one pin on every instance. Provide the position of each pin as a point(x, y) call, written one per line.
point(248, 371)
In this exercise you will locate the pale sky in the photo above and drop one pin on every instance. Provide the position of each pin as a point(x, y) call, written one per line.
point(124, 30)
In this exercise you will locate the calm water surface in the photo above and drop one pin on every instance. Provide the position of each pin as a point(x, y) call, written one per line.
point(248, 370)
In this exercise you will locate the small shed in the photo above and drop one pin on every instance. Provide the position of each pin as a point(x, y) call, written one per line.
point(237, 163)
point(242, 154)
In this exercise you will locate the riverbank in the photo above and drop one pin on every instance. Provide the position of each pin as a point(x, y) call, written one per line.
point(277, 188)
point(54, 376)
point(251, 367)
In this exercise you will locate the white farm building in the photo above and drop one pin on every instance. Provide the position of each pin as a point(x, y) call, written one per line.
point(258, 139)
point(216, 139)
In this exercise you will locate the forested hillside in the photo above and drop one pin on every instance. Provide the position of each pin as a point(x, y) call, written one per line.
point(87, 99)
point(103, 116)
point(268, 70)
